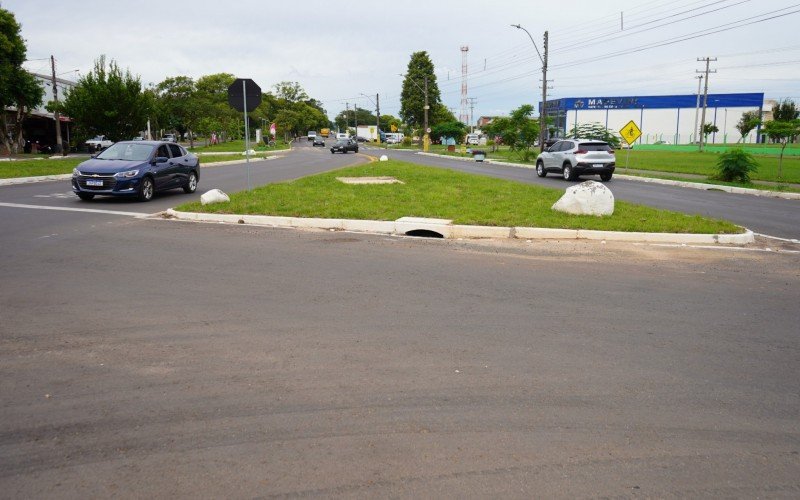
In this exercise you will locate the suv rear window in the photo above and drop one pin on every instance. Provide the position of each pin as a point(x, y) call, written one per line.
point(595, 146)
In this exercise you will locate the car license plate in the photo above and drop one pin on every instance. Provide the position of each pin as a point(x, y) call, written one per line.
point(598, 165)
point(94, 182)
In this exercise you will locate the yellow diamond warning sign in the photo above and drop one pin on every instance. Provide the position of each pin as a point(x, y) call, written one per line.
point(630, 132)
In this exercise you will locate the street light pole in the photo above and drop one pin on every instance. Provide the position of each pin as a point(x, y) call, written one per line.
point(542, 111)
point(377, 103)
point(426, 137)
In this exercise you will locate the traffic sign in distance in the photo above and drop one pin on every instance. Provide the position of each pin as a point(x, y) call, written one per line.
point(237, 92)
point(630, 132)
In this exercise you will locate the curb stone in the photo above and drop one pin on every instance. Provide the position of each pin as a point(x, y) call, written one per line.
point(448, 230)
point(652, 180)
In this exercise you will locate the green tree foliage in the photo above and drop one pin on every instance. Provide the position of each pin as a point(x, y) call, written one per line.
point(782, 131)
point(347, 118)
point(388, 120)
point(412, 97)
point(176, 104)
point(440, 114)
point(18, 88)
point(708, 129)
point(290, 92)
point(748, 121)
point(454, 129)
point(519, 131)
point(108, 101)
point(736, 165)
point(594, 131)
point(210, 103)
point(784, 111)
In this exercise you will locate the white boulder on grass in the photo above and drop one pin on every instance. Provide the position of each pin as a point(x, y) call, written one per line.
point(250, 152)
point(586, 198)
point(384, 158)
point(214, 196)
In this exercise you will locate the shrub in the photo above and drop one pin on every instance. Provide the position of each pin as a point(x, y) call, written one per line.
point(407, 141)
point(736, 165)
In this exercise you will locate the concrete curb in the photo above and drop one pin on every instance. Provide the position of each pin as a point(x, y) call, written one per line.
point(449, 230)
point(63, 177)
point(28, 180)
point(652, 180)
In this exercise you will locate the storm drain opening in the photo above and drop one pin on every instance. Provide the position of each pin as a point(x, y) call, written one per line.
point(424, 233)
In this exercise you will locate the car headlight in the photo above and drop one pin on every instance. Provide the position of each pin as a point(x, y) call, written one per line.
point(127, 174)
point(76, 172)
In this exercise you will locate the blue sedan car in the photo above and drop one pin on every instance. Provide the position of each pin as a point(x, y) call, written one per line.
point(137, 168)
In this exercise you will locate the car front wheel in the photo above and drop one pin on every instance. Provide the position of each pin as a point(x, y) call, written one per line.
point(567, 172)
point(540, 171)
point(606, 177)
point(146, 189)
point(191, 184)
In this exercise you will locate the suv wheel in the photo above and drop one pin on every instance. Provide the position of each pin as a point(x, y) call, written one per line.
point(540, 171)
point(86, 196)
point(191, 184)
point(606, 177)
point(567, 172)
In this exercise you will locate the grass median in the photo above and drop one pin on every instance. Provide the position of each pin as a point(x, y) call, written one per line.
point(237, 146)
point(440, 193)
point(35, 168)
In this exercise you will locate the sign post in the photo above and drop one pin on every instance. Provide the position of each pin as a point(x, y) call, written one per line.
point(630, 132)
point(245, 95)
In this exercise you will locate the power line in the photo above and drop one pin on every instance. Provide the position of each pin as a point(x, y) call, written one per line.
point(690, 36)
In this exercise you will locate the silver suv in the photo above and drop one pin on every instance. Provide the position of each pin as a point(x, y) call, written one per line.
point(574, 157)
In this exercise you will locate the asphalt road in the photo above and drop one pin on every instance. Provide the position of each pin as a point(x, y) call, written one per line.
point(157, 358)
point(770, 216)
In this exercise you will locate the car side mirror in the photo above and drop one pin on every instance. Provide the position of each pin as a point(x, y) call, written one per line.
point(160, 159)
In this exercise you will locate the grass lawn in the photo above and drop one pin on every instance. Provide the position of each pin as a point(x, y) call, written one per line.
point(440, 193)
point(236, 146)
point(33, 168)
point(782, 188)
point(675, 161)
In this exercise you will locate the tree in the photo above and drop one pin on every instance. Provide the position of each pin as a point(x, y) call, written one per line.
point(594, 131)
point(290, 91)
point(748, 121)
point(782, 131)
point(709, 128)
point(108, 101)
point(454, 129)
point(412, 97)
point(18, 88)
point(519, 131)
point(177, 105)
point(784, 111)
point(387, 121)
point(440, 114)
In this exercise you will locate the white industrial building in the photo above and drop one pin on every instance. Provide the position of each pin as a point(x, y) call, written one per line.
point(667, 119)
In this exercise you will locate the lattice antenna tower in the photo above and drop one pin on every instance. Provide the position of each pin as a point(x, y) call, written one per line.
point(463, 114)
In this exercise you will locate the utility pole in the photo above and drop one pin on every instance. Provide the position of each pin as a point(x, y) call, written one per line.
point(59, 144)
point(705, 95)
point(697, 104)
point(426, 138)
point(378, 117)
point(543, 111)
point(346, 116)
point(471, 113)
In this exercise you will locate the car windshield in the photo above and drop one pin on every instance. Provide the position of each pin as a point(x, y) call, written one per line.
point(127, 152)
point(594, 146)
point(342, 143)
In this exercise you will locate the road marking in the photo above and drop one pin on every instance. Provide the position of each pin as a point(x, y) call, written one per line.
point(776, 238)
point(69, 209)
point(68, 194)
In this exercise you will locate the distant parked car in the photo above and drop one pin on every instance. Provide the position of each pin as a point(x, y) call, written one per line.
point(169, 138)
point(361, 139)
point(98, 142)
point(136, 169)
point(343, 146)
point(319, 141)
point(574, 157)
point(341, 136)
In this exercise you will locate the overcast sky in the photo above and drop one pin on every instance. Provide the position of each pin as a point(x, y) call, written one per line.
point(339, 50)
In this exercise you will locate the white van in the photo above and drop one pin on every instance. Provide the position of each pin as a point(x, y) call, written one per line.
point(473, 139)
point(395, 137)
point(342, 135)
